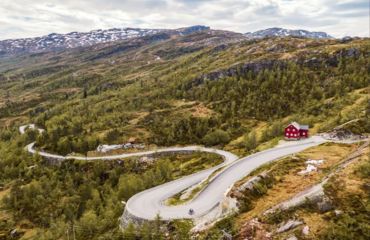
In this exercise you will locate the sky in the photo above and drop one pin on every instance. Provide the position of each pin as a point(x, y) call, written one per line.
point(31, 18)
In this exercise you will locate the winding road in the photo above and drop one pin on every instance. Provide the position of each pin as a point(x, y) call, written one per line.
point(149, 203)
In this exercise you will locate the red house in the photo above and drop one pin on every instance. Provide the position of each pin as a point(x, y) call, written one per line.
point(295, 131)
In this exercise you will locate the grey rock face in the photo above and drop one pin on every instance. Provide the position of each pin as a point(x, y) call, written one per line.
point(251, 182)
point(255, 67)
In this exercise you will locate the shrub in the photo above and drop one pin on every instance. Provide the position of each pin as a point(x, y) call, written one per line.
point(216, 137)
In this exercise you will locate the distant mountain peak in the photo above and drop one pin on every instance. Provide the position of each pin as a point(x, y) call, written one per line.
point(56, 41)
point(282, 32)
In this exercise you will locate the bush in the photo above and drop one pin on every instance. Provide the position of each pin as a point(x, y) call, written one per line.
point(250, 141)
point(363, 170)
point(216, 137)
point(347, 227)
point(112, 135)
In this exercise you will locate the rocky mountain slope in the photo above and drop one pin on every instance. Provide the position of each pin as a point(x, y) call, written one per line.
point(281, 32)
point(55, 41)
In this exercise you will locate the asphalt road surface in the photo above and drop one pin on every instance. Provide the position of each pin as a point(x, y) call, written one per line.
point(149, 203)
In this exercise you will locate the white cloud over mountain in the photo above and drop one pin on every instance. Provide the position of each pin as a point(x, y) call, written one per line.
point(29, 18)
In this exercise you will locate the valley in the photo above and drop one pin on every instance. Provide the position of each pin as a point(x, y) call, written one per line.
point(208, 108)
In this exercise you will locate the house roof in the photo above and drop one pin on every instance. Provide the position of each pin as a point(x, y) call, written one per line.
point(295, 124)
point(304, 127)
point(298, 126)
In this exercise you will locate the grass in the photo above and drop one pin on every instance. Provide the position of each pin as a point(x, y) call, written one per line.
point(288, 183)
point(353, 178)
point(9, 121)
point(269, 144)
point(198, 162)
point(346, 189)
point(349, 187)
point(176, 199)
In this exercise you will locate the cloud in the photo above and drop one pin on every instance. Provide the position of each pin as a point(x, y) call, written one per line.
point(360, 4)
point(352, 9)
point(29, 18)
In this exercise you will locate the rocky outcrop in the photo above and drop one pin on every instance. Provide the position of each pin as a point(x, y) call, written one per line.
point(288, 225)
point(329, 60)
point(315, 194)
point(257, 66)
point(346, 39)
point(254, 229)
point(237, 70)
point(351, 52)
point(342, 134)
point(249, 185)
point(324, 205)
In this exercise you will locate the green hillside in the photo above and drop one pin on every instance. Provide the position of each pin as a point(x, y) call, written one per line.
point(177, 91)
point(211, 88)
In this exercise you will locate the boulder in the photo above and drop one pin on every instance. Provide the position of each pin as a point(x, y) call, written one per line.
point(346, 39)
point(324, 205)
point(288, 225)
point(310, 168)
point(14, 233)
point(254, 229)
point(338, 212)
point(249, 185)
point(306, 230)
point(352, 52)
point(292, 238)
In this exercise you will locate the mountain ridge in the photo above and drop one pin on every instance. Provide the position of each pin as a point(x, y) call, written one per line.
point(283, 32)
point(57, 42)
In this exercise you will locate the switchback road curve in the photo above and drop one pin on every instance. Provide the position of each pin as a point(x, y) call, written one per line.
point(148, 204)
